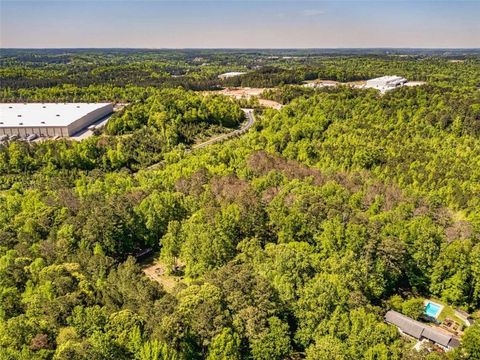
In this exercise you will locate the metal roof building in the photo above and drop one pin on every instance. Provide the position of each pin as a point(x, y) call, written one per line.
point(385, 83)
point(420, 331)
point(230, 74)
point(50, 119)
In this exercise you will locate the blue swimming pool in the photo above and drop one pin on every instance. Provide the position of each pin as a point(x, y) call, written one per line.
point(432, 309)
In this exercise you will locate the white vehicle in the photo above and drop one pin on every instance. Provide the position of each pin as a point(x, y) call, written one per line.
point(32, 137)
point(92, 127)
point(3, 137)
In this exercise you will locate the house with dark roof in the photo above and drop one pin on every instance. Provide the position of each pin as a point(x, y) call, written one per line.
point(419, 331)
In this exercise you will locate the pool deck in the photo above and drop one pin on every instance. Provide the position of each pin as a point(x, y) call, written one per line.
point(440, 307)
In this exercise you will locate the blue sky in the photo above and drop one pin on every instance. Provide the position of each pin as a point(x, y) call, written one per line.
point(244, 24)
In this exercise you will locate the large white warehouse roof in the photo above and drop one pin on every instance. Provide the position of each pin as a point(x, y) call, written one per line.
point(48, 114)
point(386, 83)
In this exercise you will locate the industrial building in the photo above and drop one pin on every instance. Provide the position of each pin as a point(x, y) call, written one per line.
point(50, 119)
point(386, 83)
point(230, 74)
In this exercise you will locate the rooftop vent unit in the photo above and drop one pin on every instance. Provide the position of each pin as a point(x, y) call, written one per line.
point(42, 122)
point(19, 115)
point(20, 123)
point(58, 115)
point(44, 106)
point(10, 107)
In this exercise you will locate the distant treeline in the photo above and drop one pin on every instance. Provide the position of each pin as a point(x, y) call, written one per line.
point(199, 70)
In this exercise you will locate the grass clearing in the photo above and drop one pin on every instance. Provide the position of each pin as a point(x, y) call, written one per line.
point(155, 269)
point(447, 311)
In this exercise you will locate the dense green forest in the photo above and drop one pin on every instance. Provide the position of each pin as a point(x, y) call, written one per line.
point(112, 74)
point(289, 242)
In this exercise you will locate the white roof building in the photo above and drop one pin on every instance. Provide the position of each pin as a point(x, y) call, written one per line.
point(50, 119)
point(230, 74)
point(386, 83)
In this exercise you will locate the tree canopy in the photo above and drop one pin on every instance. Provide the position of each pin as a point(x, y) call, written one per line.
point(288, 242)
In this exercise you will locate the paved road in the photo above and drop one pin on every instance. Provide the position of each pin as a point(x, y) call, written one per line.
point(244, 128)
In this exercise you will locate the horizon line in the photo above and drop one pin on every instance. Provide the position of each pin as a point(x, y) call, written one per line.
point(243, 48)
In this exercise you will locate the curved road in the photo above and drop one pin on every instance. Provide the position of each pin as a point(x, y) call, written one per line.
point(248, 125)
point(244, 128)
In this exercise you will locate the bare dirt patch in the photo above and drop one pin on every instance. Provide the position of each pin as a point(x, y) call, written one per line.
point(156, 271)
point(246, 93)
point(242, 92)
point(270, 104)
point(415, 83)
